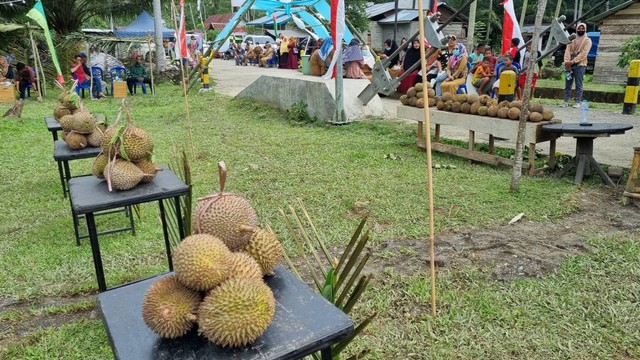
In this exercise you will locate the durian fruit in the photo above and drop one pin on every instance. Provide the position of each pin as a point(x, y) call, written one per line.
point(107, 139)
point(431, 93)
point(420, 95)
point(419, 87)
point(455, 107)
point(472, 98)
point(432, 102)
point(99, 163)
point(149, 169)
point(536, 108)
point(446, 96)
point(83, 122)
point(493, 110)
point(503, 104)
point(503, 112)
point(448, 105)
point(70, 100)
point(482, 110)
point(474, 108)
point(420, 103)
point(237, 312)
point(66, 122)
point(492, 102)
point(95, 138)
point(440, 105)
point(413, 101)
point(461, 98)
point(404, 99)
point(76, 141)
point(59, 111)
point(412, 92)
point(122, 175)
point(547, 115)
point(64, 134)
point(265, 247)
point(201, 262)
point(137, 143)
point(514, 113)
point(535, 116)
point(484, 99)
point(465, 108)
point(169, 308)
point(243, 266)
point(515, 104)
point(222, 214)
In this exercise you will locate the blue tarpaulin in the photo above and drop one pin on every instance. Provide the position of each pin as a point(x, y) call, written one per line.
point(143, 26)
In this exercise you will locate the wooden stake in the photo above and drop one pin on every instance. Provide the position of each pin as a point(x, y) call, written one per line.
point(34, 49)
point(184, 83)
point(153, 88)
point(427, 132)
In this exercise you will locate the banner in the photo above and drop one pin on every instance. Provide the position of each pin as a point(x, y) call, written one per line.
point(510, 27)
point(37, 14)
point(182, 35)
point(337, 33)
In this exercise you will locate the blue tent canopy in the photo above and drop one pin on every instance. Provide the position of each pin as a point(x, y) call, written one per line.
point(281, 17)
point(143, 26)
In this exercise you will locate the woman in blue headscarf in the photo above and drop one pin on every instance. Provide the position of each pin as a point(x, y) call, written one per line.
point(352, 60)
point(321, 58)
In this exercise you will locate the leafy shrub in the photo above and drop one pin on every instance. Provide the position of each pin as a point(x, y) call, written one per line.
point(630, 51)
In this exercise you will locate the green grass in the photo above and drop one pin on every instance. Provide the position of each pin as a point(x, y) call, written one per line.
point(273, 161)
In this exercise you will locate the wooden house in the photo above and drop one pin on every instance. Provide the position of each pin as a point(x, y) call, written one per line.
point(616, 26)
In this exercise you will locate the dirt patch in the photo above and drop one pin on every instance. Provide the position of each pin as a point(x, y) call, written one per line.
point(524, 249)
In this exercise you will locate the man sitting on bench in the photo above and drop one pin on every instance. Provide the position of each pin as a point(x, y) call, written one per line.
point(137, 74)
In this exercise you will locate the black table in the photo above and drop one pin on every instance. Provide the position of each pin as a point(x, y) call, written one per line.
point(89, 195)
point(62, 154)
point(304, 323)
point(584, 135)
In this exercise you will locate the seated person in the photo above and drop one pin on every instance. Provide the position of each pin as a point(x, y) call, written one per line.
point(266, 55)
point(257, 52)
point(482, 76)
point(240, 56)
point(137, 73)
point(321, 58)
point(507, 65)
point(475, 58)
point(80, 72)
point(456, 71)
point(353, 59)
point(24, 77)
point(6, 71)
point(97, 82)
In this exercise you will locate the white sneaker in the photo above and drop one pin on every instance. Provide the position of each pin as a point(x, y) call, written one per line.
point(564, 105)
point(576, 106)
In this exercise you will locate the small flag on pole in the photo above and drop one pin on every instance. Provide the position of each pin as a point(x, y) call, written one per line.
point(510, 27)
point(37, 14)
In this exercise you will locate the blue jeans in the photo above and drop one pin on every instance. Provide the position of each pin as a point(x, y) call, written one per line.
point(97, 84)
point(442, 76)
point(578, 75)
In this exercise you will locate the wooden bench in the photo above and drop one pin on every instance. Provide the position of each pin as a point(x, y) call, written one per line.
point(495, 127)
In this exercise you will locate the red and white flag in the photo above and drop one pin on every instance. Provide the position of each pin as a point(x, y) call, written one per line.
point(337, 33)
point(510, 27)
point(182, 35)
point(433, 7)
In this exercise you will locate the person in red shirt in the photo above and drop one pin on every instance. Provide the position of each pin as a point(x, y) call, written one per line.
point(79, 70)
point(513, 50)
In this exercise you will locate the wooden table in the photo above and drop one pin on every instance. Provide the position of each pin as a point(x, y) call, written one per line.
point(304, 323)
point(495, 127)
point(585, 135)
point(89, 195)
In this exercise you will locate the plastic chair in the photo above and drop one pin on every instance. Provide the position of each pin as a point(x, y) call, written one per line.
point(463, 86)
point(117, 73)
point(97, 71)
point(80, 86)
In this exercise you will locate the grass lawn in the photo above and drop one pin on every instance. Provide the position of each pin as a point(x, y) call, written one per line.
point(589, 310)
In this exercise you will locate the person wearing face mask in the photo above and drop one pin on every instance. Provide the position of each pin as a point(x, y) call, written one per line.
point(575, 63)
point(456, 70)
point(443, 59)
point(390, 47)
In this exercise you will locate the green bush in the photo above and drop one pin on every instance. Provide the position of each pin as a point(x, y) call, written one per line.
point(630, 51)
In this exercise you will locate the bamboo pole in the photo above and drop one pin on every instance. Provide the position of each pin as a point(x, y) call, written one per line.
point(153, 91)
point(184, 85)
point(427, 132)
point(34, 49)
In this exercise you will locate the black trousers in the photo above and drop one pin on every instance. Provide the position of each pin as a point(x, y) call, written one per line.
point(131, 81)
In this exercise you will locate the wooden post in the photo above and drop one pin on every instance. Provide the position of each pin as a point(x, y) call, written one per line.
point(184, 89)
point(427, 126)
point(153, 88)
point(34, 48)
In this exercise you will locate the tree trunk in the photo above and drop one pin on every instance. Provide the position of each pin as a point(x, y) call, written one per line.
point(486, 40)
point(526, 97)
point(472, 26)
point(157, 18)
point(523, 13)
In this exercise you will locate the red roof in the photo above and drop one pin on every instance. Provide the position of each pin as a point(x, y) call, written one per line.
point(217, 21)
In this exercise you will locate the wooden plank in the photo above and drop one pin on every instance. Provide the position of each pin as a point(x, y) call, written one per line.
point(7, 94)
point(472, 155)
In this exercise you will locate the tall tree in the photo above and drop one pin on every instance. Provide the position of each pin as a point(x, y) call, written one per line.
point(157, 18)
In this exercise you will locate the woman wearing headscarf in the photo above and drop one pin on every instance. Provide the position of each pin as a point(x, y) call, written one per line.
point(353, 59)
point(403, 53)
point(390, 47)
point(284, 51)
point(575, 64)
point(412, 57)
point(321, 58)
point(456, 70)
point(6, 71)
point(369, 60)
point(292, 59)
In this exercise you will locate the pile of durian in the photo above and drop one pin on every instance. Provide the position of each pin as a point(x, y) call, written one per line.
point(126, 157)
point(79, 127)
point(218, 282)
point(415, 97)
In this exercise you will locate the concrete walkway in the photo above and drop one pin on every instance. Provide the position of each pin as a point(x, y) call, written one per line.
point(615, 150)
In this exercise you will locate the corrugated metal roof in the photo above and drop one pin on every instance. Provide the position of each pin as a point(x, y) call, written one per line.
point(598, 18)
point(404, 16)
point(378, 9)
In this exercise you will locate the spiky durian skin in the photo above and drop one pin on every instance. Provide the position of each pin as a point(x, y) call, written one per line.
point(169, 307)
point(243, 266)
point(149, 169)
point(137, 143)
point(266, 249)
point(125, 175)
point(84, 123)
point(95, 138)
point(99, 163)
point(222, 215)
point(201, 262)
point(106, 139)
point(237, 312)
point(76, 141)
